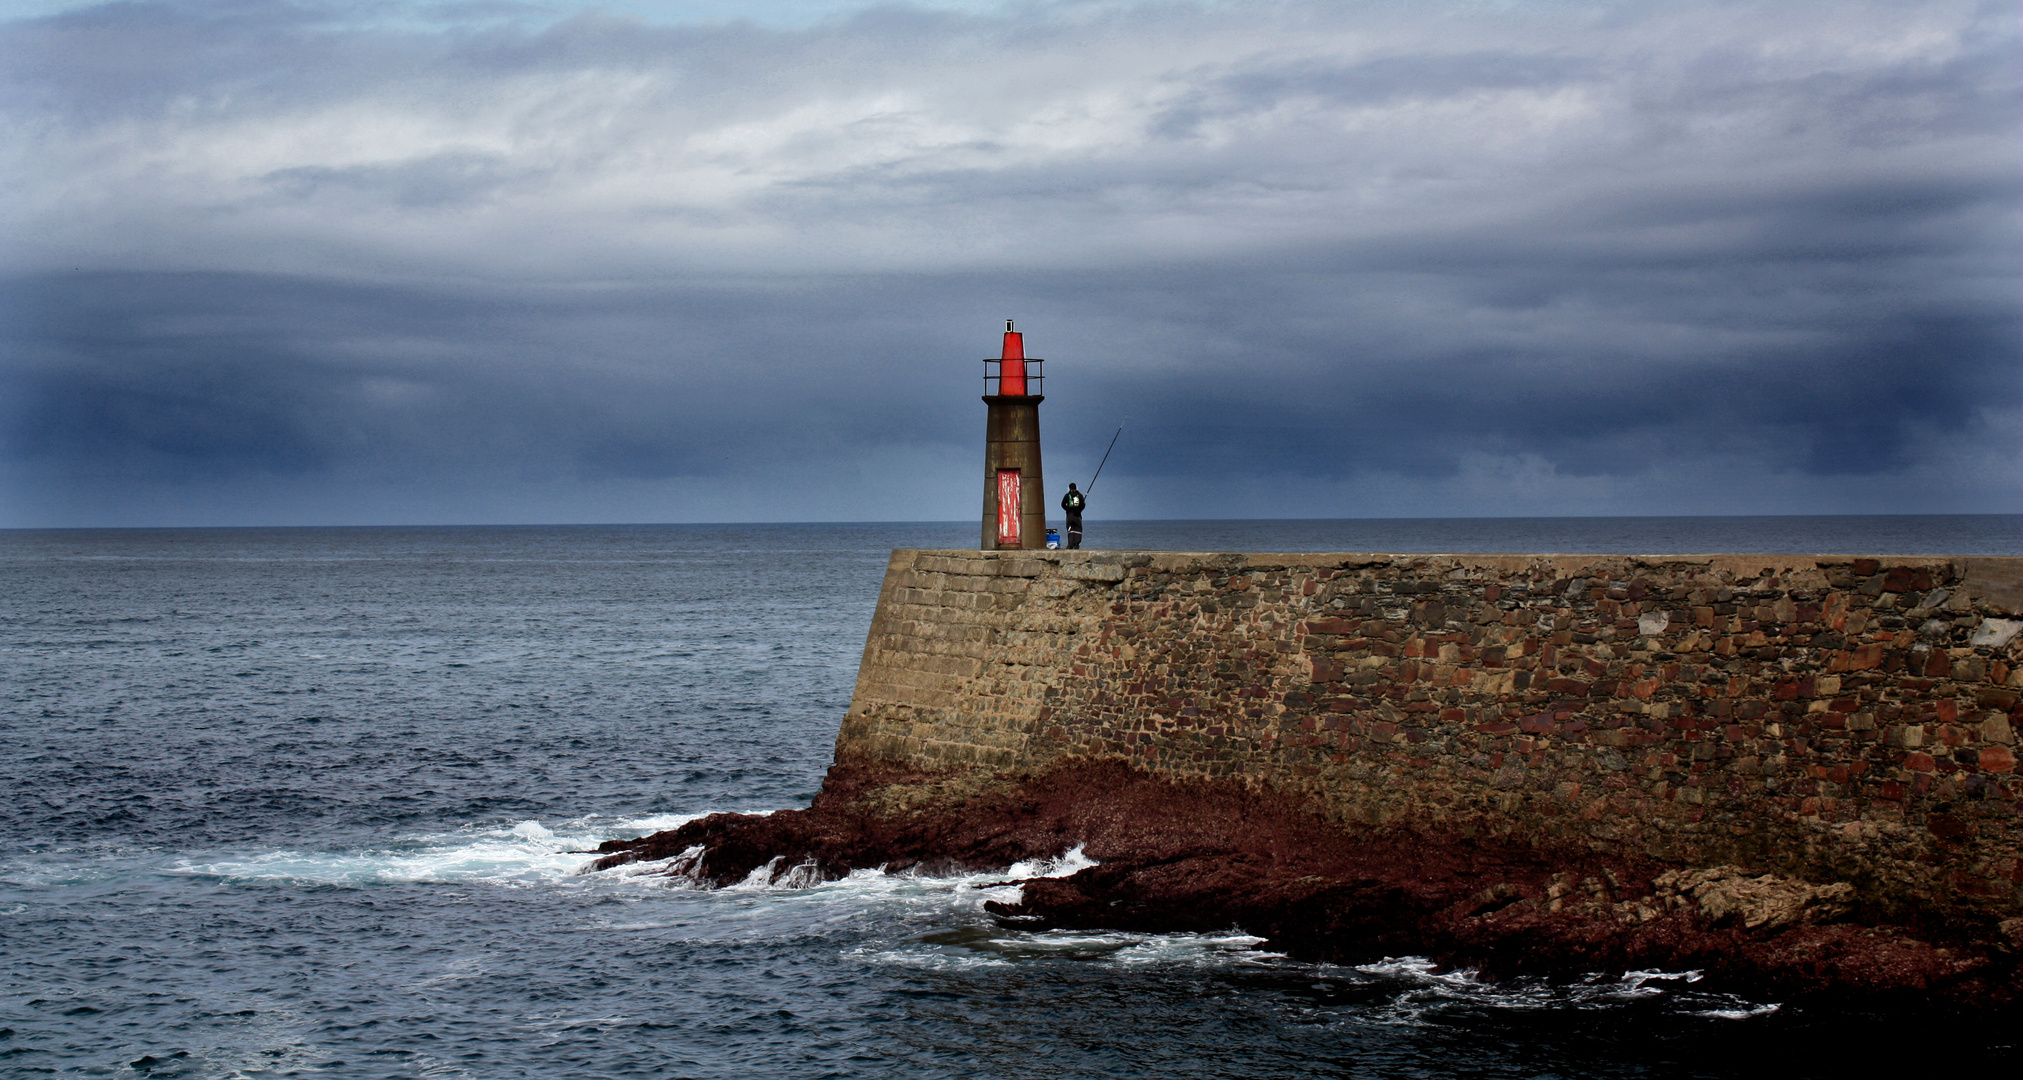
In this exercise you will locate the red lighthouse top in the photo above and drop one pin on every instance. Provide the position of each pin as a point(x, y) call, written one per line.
point(1015, 376)
point(1011, 366)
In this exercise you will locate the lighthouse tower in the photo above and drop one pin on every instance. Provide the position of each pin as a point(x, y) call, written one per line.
point(1014, 496)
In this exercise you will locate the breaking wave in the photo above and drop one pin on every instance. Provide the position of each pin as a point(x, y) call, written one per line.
point(522, 853)
point(1428, 992)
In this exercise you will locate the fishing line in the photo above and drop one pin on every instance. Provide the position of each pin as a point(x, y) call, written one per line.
point(1106, 459)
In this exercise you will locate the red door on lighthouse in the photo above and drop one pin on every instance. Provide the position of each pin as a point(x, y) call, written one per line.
point(1008, 507)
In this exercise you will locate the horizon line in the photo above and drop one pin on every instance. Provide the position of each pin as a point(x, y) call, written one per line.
point(967, 523)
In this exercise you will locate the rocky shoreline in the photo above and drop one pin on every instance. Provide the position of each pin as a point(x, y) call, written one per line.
point(1196, 854)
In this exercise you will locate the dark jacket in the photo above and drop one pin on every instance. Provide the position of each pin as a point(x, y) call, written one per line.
point(1073, 502)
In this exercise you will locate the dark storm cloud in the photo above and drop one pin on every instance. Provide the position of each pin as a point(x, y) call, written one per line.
point(1738, 257)
point(175, 375)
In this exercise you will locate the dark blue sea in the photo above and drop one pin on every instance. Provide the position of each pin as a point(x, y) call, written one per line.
point(304, 802)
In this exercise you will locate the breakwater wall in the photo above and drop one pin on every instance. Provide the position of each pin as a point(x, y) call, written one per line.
point(1824, 717)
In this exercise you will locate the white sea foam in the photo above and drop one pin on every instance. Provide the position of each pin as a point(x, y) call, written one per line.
point(1428, 992)
point(1640, 983)
point(524, 852)
point(760, 877)
point(979, 946)
point(531, 852)
point(1744, 1012)
point(1067, 864)
point(974, 941)
point(777, 874)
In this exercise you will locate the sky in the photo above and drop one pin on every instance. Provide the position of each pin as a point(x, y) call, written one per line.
point(274, 263)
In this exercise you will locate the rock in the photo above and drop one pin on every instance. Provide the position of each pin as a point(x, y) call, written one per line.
point(1996, 633)
point(2012, 934)
point(1758, 902)
point(1093, 570)
point(1933, 601)
point(1201, 856)
point(1495, 898)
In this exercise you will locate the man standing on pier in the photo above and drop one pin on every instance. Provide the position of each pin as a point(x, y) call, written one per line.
point(1073, 502)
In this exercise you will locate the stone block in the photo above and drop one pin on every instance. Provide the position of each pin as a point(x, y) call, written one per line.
point(1094, 570)
point(1996, 633)
point(1996, 583)
point(1898, 579)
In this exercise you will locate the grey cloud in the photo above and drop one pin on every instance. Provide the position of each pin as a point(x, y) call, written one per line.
point(599, 252)
point(440, 180)
point(212, 374)
point(1376, 81)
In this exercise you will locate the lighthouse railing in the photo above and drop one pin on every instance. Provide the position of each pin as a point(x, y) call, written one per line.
point(1034, 380)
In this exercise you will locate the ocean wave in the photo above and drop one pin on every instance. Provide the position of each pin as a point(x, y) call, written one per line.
point(986, 946)
point(522, 853)
point(1428, 992)
point(950, 908)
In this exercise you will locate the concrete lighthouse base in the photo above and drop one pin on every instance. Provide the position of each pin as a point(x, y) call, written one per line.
point(1012, 442)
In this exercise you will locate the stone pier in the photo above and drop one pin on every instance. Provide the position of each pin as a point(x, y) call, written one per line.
point(1830, 718)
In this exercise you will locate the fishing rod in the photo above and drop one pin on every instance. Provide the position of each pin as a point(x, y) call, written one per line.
point(1106, 459)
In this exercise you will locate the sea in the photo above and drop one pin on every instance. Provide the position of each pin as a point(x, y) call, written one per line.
point(312, 802)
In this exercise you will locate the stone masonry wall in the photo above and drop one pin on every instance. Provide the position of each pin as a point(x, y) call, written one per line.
point(1827, 717)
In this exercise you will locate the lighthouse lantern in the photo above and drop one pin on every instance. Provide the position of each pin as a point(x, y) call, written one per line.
point(1011, 374)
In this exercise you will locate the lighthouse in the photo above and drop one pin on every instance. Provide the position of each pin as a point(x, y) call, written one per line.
point(1014, 498)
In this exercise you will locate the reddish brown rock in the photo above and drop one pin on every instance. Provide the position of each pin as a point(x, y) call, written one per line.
point(1205, 855)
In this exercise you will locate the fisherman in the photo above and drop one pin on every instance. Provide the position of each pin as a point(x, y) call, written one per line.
point(1073, 502)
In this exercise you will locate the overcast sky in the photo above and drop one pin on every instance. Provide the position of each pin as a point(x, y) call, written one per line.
point(381, 262)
